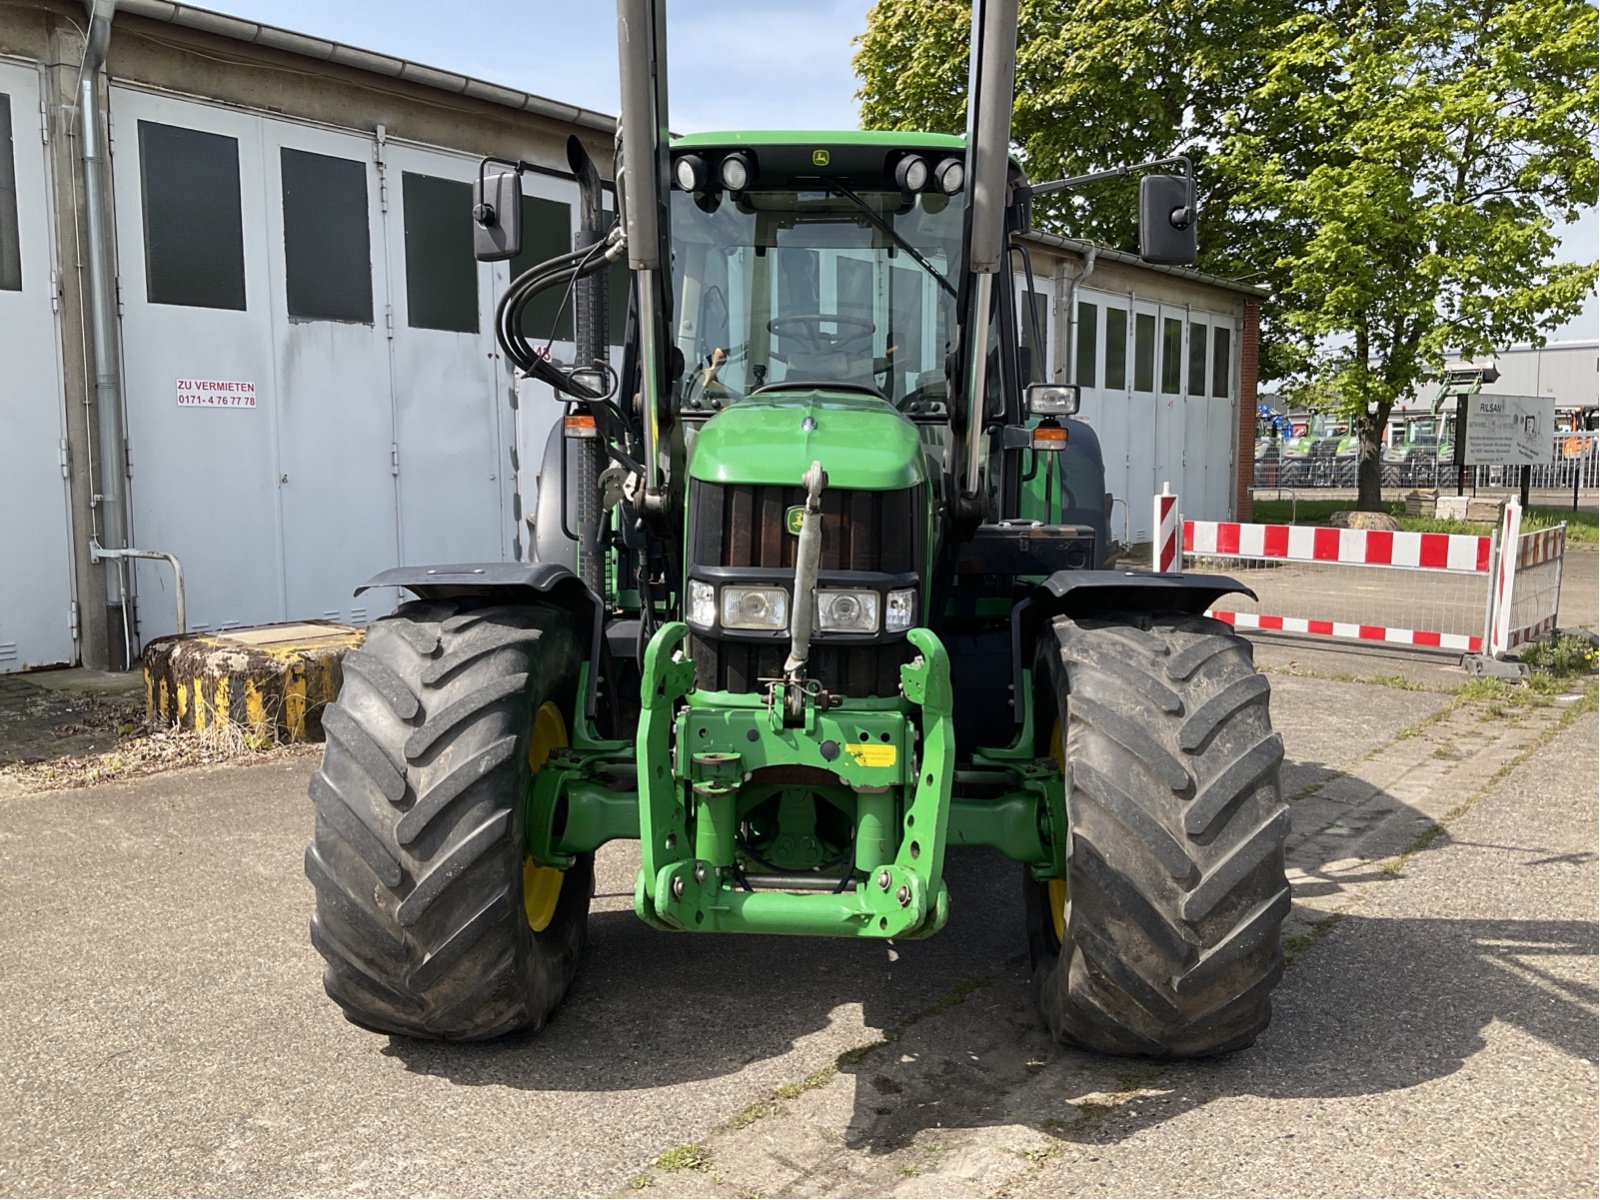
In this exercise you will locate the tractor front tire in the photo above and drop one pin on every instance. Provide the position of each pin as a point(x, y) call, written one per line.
point(418, 858)
point(1164, 941)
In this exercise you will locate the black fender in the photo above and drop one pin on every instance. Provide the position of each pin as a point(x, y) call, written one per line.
point(552, 583)
point(1083, 593)
point(1089, 593)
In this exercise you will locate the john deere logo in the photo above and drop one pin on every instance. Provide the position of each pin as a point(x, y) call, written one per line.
point(795, 517)
point(819, 158)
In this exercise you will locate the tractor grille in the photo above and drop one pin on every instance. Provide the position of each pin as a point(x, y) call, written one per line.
point(742, 525)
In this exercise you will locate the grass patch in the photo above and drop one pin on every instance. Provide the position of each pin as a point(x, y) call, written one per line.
point(1562, 656)
point(691, 1156)
point(1583, 526)
point(1399, 683)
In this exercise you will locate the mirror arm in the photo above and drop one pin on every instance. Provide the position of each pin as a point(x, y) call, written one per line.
point(482, 213)
point(1058, 185)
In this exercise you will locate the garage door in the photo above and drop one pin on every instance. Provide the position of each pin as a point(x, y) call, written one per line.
point(36, 612)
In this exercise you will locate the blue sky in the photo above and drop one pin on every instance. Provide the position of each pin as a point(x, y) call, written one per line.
point(740, 63)
point(750, 64)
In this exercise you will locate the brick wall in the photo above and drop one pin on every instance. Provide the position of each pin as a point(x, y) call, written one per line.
point(1244, 451)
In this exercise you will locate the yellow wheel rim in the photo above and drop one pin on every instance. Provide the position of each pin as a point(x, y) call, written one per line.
point(541, 886)
point(1057, 888)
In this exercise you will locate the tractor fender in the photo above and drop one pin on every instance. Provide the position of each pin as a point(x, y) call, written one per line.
point(1081, 593)
point(511, 582)
point(1088, 593)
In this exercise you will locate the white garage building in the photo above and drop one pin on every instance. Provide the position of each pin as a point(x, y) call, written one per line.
point(301, 378)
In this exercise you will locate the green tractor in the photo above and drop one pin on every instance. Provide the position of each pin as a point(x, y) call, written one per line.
point(819, 594)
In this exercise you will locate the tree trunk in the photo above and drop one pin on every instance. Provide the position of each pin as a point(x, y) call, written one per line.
point(1369, 459)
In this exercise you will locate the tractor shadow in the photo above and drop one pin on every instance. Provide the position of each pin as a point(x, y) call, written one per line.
point(1379, 1005)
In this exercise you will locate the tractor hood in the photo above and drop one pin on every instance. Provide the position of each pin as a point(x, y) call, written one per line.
point(772, 437)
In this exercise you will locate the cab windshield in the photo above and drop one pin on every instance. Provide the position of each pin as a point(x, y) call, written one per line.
point(793, 288)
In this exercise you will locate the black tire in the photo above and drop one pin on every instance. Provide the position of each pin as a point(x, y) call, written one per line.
point(417, 859)
point(1176, 890)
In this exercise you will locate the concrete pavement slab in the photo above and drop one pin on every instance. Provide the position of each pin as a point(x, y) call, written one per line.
point(167, 1032)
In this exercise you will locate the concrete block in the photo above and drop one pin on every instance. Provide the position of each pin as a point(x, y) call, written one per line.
point(272, 682)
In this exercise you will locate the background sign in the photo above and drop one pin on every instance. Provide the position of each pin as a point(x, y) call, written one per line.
point(1510, 430)
point(216, 393)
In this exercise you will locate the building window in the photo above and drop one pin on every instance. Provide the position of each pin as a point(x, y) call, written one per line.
point(441, 273)
point(1197, 359)
point(1088, 327)
point(1221, 368)
point(1116, 348)
point(193, 225)
point(1171, 357)
point(327, 247)
point(10, 235)
point(1144, 352)
point(546, 234)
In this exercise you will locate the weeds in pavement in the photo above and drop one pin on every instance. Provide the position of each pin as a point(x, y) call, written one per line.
point(691, 1156)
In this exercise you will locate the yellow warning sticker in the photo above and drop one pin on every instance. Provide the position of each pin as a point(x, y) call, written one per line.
point(870, 754)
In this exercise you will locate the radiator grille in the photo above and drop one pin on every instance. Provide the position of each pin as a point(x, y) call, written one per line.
point(741, 525)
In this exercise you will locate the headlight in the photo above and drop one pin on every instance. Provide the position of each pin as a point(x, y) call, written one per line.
point(950, 174)
point(736, 172)
point(847, 611)
point(901, 611)
point(702, 604)
point(755, 608)
point(912, 173)
point(689, 172)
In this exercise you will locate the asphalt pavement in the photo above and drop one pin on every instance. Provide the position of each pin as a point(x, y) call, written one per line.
point(166, 1030)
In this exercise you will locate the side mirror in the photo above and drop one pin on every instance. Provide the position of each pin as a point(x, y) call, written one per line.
point(1051, 399)
point(497, 213)
point(1167, 221)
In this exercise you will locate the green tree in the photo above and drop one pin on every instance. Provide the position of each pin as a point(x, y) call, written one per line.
point(1394, 170)
point(1417, 160)
point(1099, 83)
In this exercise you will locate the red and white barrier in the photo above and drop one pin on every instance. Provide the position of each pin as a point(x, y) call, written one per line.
point(1510, 617)
point(1527, 583)
point(1461, 552)
point(1466, 643)
point(1165, 552)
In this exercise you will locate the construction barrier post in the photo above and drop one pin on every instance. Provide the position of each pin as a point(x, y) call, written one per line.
point(1505, 580)
point(1166, 549)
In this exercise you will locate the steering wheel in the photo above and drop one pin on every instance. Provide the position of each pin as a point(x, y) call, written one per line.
point(853, 332)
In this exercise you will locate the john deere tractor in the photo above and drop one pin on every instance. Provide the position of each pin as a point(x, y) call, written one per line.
point(819, 594)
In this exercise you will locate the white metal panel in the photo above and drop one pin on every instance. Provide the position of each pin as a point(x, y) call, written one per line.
point(1224, 453)
point(1199, 471)
point(35, 538)
point(452, 395)
point(204, 480)
point(1169, 408)
point(334, 416)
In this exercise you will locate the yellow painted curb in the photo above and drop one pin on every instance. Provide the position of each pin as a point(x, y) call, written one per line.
point(271, 682)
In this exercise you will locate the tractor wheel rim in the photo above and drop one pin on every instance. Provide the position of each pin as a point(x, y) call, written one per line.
point(541, 886)
point(1056, 889)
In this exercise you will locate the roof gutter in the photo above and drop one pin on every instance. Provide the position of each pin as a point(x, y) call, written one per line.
point(1077, 246)
point(273, 38)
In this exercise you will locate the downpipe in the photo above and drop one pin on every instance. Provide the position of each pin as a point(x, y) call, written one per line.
point(109, 501)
